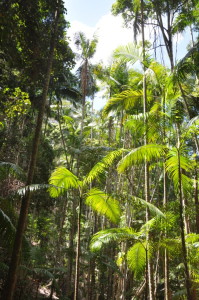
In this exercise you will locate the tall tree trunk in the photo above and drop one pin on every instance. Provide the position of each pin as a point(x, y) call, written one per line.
point(196, 201)
point(181, 210)
point(84, 92)
point(14, 264)
point(166, 32)
point(78, 252)
point(147, 196)
point(166, 253)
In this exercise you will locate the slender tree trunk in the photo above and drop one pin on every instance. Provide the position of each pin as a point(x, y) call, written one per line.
point(78, 252)
point(196, 201)
point(71, 250)
point(62, 136)
point(166, 253)
point(14, 264)
point(181, 210)
point(84, 89)
point(147, 196)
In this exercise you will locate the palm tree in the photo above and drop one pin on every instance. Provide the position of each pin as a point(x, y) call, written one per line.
point(87, 50)
point(62, 180)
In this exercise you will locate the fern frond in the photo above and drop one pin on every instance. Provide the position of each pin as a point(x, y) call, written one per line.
point(61, 180)
point(104, 204)
point(107, 236)
point(139, 155)
point(136, 259)
point(103, 165)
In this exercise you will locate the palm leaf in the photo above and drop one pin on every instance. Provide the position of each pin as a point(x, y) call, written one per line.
point(7, 229)
point(103, 165)
point(172, 245)
point(128, 54)
point(107, 236)
point(139, 155)
point(61, 180)
point(136, 259)
point(125, 100)
point(34, 187)
point(152, 208)
point(172, 167)
point(12, 169)
point(104, 205)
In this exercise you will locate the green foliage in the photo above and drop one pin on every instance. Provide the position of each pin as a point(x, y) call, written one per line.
point(62, 180)
point(7, 229)
point(103, 165)
point(125, 100)
point(129, 53)
point(18, 102)
point(173, 163)
point(136, 258)
point(104, 237)
point(104, 204)
point(8, 168)
point(152, 208)
point(139, 155)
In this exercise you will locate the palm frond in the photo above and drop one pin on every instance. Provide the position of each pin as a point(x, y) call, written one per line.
point(12, 169)
point(146, 227)
point(33, 188)
point(152, 208)
point(104, 204)
point(107, 236)
point(125, 100)
point(179, 294)
point(136, 259)
point(7, 229)
point(172, 245)
point(128, 54)
point(139, 155)
point(172, 167)
point(61, 180)
point(103, 165)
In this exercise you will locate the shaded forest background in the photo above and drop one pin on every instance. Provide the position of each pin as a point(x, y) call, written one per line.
point(98, 204)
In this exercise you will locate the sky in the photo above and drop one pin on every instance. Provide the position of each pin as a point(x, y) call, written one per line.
point(94, 17)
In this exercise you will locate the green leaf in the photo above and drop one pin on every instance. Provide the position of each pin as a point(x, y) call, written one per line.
point(104, 204)
point(125, 100)
point(7, 229)
point(12, 169)
point(103, 165)
point(62, 180)
point(139, 155)
point(128, 54)
point(136, 259)
point(172, 167)
point(153, 209)
point(33, 188)
point(107, 236)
